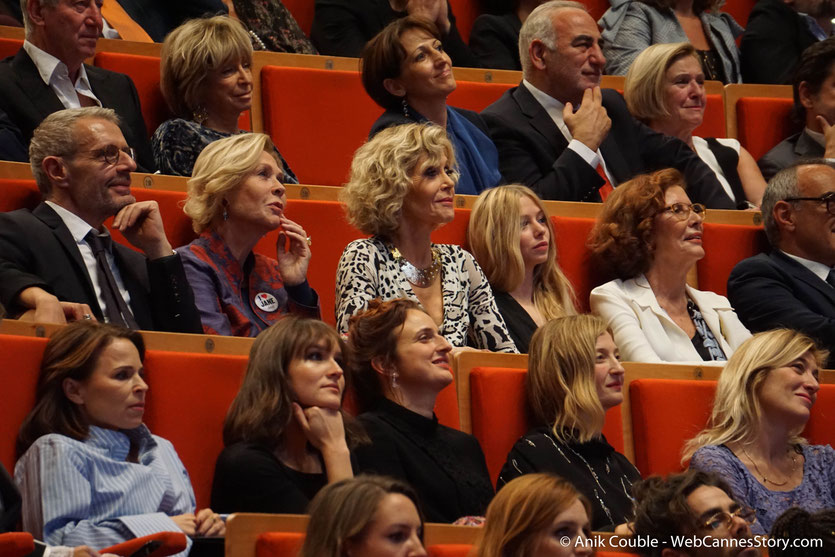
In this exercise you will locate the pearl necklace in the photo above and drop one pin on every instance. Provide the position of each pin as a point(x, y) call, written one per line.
point(418, 277)
point(766, 480)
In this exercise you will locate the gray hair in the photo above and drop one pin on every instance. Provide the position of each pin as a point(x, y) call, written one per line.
point(539, 26)
point(783, 185)
point(56, 137)
point(27, 23)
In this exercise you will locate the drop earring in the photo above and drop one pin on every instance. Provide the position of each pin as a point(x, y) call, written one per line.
point(405, 106)
point(225, 214)
point(394, 384)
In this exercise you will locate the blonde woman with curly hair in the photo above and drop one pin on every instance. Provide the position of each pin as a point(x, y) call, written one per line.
point(763, 401)
point(402, 188)
point(234, 199)
point(513, 240)
point(574, 377)
point(532, 516)
point(649, 235)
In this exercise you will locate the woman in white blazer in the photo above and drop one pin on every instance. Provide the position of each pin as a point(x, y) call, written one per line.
point(649, 235)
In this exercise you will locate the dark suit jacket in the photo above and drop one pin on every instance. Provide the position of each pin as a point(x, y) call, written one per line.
point(11, 142)
point(342, 27)
point(533, 151)
point(787, 152)
point(10, 497)
point(160, 17)
point(37, 249)
point(28, 100)
point(773, 290)
point(774, 39)
point(494, 40)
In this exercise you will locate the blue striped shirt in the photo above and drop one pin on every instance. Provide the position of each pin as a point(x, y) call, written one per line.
point(86, 493)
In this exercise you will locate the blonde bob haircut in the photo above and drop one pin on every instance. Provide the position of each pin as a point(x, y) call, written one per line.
point(220, 168)
point(493, 236)
point(383, 170)
point(341, 513)
point(522, 511)
point(645, 89)
point(559, 385)
point(191, 52)
point(736, 408)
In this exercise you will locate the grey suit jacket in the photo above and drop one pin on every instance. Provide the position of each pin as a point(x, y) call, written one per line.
point(27, 100)
point(787, 152)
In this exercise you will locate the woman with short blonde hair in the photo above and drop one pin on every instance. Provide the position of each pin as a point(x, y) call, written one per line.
point(402, 189)
point(764, 399)
point(206, 80)
point(574, 377)
point(521, 518)
point(234, 199)
point(513, 240)
point(665, 90)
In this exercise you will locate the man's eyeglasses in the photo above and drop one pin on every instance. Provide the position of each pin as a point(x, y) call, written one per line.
point(682, 211)
point(112, 154)
point(828, 198)
point(726, 519)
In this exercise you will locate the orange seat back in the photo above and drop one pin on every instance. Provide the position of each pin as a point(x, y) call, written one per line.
point(177, 225)
point(665, 414)
point(449, 550)
point(596, 8)
point(302, 11)
point(713, 123)
point(465, 12)
point(279, 544)
point(144, 71)
point(819, 430)
point(573, 256)
point(18, 194)
point(763, 122)
point(189, 395)
point(16, 544)
point(726, 245)
point(20, 362)
point(317, 118)
point(477, 96)
point(739, 9)
point(499, 418)
point(9, 47)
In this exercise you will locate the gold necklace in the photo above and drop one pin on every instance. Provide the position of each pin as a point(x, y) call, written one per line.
point(419, 277)
point(766, 480)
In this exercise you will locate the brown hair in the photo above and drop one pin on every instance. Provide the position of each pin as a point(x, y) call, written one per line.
point(383, 57)
point(262, 409)
point(372, 333)
point(71, 353)
point(622, 239)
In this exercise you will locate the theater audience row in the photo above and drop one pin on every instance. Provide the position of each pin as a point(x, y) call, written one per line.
point(286, 435)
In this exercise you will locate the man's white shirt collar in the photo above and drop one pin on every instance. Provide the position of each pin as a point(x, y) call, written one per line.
point(55, 74)
point(77, 226)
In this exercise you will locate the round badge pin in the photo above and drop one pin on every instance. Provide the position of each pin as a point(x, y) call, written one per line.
point(266, 302)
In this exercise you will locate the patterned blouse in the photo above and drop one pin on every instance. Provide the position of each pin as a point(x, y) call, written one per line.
point(272, 26)
point(177, 143)
point(368, 270)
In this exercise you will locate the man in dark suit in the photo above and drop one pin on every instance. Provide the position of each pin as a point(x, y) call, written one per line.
point(57, 262)
point(48, 73)
point(565, 154)
point(794, 285)
point(777, 33)
point(814, 105)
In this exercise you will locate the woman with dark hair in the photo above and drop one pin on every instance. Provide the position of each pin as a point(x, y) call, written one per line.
point(364, 516)
point(574, 377)
point(649, 235)
point(406, 71)
point(534, 515)
point(284, 434)
point(90, 471)
point(630, 26)
point(399, 365)
point(798, 524)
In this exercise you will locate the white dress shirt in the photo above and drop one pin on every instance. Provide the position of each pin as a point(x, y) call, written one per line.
point(56, 74)
point(820, 270)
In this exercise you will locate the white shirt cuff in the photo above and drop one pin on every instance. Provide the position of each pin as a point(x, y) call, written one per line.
point(591, 157)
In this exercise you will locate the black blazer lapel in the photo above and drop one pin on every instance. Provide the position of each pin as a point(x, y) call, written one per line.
point(539, 118)
point(807, 147)
point(40, 95)
point(803, 275)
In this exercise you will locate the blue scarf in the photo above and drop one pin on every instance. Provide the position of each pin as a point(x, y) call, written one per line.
point(477, 156)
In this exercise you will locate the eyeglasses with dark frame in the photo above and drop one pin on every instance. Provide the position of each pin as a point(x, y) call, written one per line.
point(726, 519)
point(828, 198)
point(112, 154)
point(682, 211)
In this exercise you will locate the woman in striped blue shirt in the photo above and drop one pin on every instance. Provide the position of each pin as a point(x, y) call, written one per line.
point(90, 471)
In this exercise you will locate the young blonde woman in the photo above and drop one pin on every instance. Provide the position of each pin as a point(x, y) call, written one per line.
point(574, 377)
point(764, 398)
point(513, 241)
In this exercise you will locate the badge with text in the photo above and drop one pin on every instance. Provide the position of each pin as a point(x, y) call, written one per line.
point(266, 302)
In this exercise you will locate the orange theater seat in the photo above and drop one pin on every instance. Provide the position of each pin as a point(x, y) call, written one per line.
point(763, 122)
point(449, 550)
point(20, 361)
point(302, 11)
point(739, 9)
point(573, 256)
point(726, 245)
point(596, 7)
point(477, 96)
point(18, 194)
point(317, 118)
point(279, 544)
point(16, 544)
point(713, 124)
point(819, 430)
point(170, 543)
point(493, 388)
point(465, 12)
point(189, 395)
point(144, 71)
point(9, 47)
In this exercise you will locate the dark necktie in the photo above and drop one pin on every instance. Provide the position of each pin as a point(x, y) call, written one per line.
point(116, 310)
point(830, 278)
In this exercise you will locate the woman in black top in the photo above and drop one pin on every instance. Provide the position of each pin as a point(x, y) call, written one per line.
point(574, 374)
point(399, 365)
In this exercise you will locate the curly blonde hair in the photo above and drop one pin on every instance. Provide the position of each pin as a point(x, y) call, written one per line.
point(382, 174)
point(219, 169)
point(194, 49)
